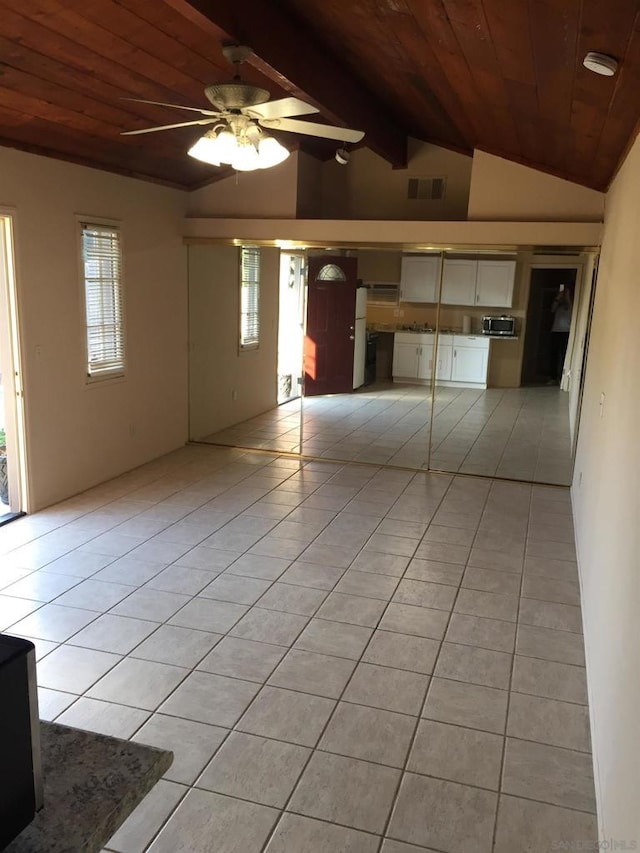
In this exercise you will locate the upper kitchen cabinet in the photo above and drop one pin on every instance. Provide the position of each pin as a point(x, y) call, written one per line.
point(459, 282)
point(486, 283)
point(494, 284)
point(419, 278)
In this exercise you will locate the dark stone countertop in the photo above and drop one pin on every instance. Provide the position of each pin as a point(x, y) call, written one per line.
point(92, 783)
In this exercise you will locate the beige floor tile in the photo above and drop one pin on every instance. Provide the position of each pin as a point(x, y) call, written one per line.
point(471, 705)
point(73, 669)
point(488, 580)
point(550, 774)
point(236, 589)
point(51, 621)
point(550, 589)
point(490, 605)
point(402, 651)
point(478, 666)
point(434, 571)
point(400, 847)
point(290, 598)
point(151, 604)
point(352, 609)
point(308, 672)
point(370, 734)
point(419, 621)
point(103, 717)
point(144, 822)
point(443, 553)
point(243, 659)
point(205, 614)
point(549, 721)
point(308, 574)
point(549, 679)
point(180, 579)
point(334, 638)
point(236, 825)
point(255, 768)
point(479, 631)
point(208, 698)
point(444, 815)
point(192, 744)
point(95, 595)
point(458, 754)
point(139, 683)
point(270, 626)
point(425, 594)
point(549, 644)
point(177, 646)
point(389, 689)
point(286, 715)
point(51, 703)
point(368, 584)
point(118, 634)
point(544, 827)
point(296, 833)
point(346, 791)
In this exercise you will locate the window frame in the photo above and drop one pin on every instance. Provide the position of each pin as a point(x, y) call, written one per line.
point(251, 345)
point(118, 373)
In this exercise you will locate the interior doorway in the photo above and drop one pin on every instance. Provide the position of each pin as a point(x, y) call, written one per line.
point(549, 288)
point(290, 326)
point(12, 479)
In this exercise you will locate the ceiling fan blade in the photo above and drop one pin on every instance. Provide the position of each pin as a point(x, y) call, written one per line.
point(283, 108)
point(310, 128)
point(168, 126)
point(173, 106)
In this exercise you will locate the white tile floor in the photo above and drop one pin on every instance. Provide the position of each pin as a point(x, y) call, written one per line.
point(341, 657)
point(520, 434)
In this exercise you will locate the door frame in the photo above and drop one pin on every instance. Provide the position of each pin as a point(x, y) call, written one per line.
point(12, 360)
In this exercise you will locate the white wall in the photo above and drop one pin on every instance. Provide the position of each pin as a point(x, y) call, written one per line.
point(606, 499)
point(266, 193)
point(79, 435)
point(227, 386)
point(501, 189)
point(370, 188)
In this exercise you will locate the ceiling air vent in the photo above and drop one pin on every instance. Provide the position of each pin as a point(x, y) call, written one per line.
point(431, 189)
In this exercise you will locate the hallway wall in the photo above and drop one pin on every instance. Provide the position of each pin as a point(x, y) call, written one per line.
point(606, 499)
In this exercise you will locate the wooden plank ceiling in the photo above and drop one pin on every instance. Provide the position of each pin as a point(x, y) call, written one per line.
point(505, 76)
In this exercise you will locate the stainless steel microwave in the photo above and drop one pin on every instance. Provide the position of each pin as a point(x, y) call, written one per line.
point(503, 325)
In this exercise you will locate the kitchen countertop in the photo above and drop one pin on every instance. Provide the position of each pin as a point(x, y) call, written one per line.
point(92, 783)
point(404, 331)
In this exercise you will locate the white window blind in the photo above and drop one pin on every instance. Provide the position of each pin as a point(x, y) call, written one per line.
point(250, 299)
point(102, 267)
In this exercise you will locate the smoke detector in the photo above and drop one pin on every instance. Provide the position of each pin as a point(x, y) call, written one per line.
point(600, 63)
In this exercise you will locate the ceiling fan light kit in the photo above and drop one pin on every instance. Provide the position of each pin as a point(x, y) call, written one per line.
point(239, 150)
point(241, 111)
point(600, 63)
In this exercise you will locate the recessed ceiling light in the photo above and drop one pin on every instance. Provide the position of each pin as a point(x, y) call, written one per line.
point(600, 63)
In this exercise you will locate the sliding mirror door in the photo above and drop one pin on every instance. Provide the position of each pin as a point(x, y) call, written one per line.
point(512, 336)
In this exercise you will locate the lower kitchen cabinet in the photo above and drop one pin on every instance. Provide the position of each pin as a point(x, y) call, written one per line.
point(470, 360)
point(462, 360)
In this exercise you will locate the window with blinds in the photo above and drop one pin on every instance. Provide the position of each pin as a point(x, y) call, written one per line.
point(102, 270)
point(249, 299)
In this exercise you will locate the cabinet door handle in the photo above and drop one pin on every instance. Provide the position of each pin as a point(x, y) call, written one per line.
point(455, 354)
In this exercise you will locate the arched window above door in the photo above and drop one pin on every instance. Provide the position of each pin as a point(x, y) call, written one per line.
point(331, 272)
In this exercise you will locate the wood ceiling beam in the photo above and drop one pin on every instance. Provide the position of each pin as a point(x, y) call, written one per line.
point(290, 55)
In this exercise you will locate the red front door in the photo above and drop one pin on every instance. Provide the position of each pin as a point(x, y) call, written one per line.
point(331, 311)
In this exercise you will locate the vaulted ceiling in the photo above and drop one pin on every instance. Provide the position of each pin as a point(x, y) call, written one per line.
point(505, 76)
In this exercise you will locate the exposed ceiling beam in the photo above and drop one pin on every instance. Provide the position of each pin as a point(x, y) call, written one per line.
point(289, 54)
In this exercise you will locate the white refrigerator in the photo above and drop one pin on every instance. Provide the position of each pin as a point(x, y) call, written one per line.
point(360, 337)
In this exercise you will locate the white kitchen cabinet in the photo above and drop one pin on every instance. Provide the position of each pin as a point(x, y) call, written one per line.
point(476, 282)
point(494, 283)
point(425, 361)
point(419, 278)
point(470, 360)
point(444, 358)
point(459, 282)
point(405, 359)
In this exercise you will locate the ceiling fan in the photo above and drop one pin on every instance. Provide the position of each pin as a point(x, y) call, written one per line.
point(241, 111)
